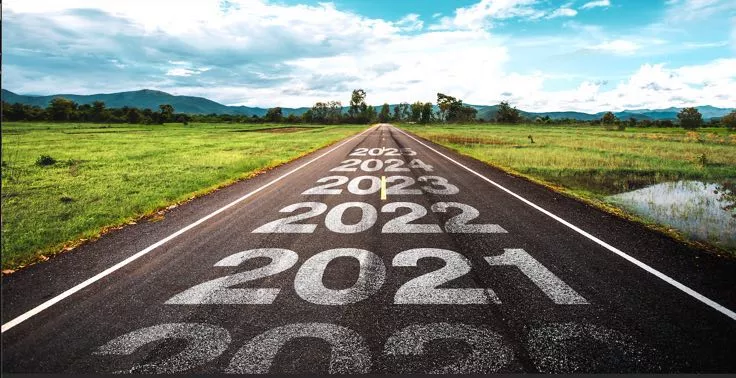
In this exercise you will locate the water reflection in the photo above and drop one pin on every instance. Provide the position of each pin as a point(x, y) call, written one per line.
point(702, 211)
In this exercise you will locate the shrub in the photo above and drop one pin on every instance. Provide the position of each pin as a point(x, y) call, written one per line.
point(45, 160)
point(729, 120)
point(690, 118)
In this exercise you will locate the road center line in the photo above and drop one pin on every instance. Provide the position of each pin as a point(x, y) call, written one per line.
point(383, 188)
point(611, 248)
point(27, 315)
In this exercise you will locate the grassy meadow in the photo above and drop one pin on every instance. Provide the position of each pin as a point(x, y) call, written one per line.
point(108, 175)
point(590, 162)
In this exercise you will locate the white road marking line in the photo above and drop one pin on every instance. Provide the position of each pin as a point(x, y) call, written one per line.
point(611, 248)
point(383, 188)
point(25, 316)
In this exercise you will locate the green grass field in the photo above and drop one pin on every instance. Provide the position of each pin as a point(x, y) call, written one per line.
point(105, 176)
point(591, 163)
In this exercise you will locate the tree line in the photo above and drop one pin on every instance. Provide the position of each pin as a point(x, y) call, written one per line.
point(451, 110)
point(64, 110)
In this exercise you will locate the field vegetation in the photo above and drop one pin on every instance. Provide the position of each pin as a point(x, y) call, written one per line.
point(63, 182)
point(591, 162)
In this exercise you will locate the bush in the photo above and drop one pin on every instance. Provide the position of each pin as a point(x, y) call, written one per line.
point(729, 120)
point(45, 160)
point(690, 118)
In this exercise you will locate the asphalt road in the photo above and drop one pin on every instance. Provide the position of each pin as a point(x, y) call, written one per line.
point(454, 267)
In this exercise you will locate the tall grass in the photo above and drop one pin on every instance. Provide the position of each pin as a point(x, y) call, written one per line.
point(592, 160)
point(95, 176)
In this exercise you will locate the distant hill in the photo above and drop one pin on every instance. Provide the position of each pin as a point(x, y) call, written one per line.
point(147, 98)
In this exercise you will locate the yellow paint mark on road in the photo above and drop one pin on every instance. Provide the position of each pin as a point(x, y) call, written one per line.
point(383, 188)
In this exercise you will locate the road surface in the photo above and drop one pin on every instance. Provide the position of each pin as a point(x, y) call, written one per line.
point(382, 254)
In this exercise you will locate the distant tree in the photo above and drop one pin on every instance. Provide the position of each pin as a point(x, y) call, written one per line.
point(292, 118)
point(632, 122)
point(167, 113)
point(134, 116)
point(690, 118)
point(416, 111)
point(319, 112)
point(609, 120)
point(396, 117)
point(729, 120)
point(61, 109)
point(334, 112)
point(98, 112)
point(358, 107)
point(308, 116)
point(405, 110)
point(370, 114)
point(182, 118)
point(507, 114)
point(426, 116)
point(453, 110)
point(445, 103)
point(274, 115)
point(385, 114)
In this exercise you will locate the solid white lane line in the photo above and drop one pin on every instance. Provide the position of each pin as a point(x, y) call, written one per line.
point(609, 247)
point(25, 316)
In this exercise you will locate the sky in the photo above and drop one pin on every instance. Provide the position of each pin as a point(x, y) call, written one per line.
point(539, 55)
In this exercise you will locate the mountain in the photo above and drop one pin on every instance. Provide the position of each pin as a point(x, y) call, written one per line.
point(147, 98)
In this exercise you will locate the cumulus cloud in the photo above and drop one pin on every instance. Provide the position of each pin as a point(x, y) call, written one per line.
point(618, 46)
point(481, 14)
point(693, 10)
point(256, 53)
point(596, 4)
point(410, 22)
point(564, 11)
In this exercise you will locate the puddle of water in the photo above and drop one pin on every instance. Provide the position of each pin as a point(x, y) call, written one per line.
point(702, 211)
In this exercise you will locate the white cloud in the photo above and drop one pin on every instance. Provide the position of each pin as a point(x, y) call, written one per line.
point(180, 72)
point(410, 22)
point(654, 86)
point(271, 54)
point(564, 11)
point(618, 46)
point(481, 14)
point(595, 4)
point(692, 10)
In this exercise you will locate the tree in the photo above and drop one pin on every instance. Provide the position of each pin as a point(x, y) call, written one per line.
point(98, 111)
point(397, 114)
point(426, 113)
point(729, 120)
point(416, 111)
point(134, 116)
point(405, 111)
point(507, 114)
point(690, 118)
point(308, 116)
point(334, 112)
point(385, 114)
point(61, 109)
point(453, 110)
point(370, 114)
point(445, 103)
point(274, 115)
point(358, 107)
point(608, 119)
point(167, 113)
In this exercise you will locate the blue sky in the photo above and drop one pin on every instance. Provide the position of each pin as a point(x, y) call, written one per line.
point(540, 55)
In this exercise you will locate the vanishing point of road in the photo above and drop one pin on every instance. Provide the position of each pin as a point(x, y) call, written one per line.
point(384, 253)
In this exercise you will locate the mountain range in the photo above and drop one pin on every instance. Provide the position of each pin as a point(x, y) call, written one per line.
point(147, 98)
